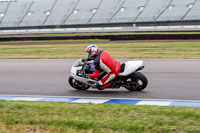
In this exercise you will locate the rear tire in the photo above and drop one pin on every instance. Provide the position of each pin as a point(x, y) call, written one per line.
point(77, 85)
point(136, 82)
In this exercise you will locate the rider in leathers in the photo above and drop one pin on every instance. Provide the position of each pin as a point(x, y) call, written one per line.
point(104, 61)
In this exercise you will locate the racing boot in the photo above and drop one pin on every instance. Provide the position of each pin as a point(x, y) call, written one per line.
point(99, 87)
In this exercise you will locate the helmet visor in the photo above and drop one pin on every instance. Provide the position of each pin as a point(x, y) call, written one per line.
point(89, 53)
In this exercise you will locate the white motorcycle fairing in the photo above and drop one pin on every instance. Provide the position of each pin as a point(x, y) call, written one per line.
point(130, 67)
point(74, 71)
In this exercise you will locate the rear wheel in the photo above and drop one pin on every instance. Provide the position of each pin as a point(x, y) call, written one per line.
point(136, 82)
point(77, 85)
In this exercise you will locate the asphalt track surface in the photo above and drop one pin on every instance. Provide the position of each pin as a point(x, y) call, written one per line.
point(177, 79)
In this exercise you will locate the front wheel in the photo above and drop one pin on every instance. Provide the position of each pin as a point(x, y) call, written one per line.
point(136, 82)
point(77, 85)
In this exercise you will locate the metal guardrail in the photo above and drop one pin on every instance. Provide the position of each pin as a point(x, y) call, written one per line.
point(100, 29)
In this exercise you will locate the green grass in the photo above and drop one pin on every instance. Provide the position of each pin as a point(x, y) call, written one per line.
point(156, 50)
point(16, 116)
point(102, 33)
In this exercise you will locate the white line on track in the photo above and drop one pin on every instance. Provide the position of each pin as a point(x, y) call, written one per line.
point(105, 98)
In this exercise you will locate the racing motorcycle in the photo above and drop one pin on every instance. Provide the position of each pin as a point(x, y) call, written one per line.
point(129, 77)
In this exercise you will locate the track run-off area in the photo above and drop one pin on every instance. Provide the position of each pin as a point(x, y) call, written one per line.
point(176, 79)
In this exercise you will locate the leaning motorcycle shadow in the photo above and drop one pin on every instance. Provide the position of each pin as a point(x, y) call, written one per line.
point(108, 92)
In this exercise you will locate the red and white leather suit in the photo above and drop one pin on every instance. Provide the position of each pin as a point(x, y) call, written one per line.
point(107, 63)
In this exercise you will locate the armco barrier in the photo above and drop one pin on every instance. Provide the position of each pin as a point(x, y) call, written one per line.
point(107, 37)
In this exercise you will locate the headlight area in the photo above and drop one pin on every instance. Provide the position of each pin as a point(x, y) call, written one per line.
point(78, 72)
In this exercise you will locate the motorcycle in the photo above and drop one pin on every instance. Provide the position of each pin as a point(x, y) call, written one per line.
point(129, 77)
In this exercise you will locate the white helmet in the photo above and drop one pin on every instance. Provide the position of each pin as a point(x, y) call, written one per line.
point(92, 50)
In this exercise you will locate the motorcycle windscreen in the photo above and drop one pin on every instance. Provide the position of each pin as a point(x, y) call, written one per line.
point(77, 64)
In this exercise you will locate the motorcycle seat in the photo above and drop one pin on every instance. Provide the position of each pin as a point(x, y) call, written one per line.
point(122, 68)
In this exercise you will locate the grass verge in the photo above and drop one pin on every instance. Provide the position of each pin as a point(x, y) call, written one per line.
point(17, 116)
point(156, 50)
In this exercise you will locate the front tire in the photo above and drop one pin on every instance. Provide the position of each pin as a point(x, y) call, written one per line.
point(136, 82)
point(77, 85)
